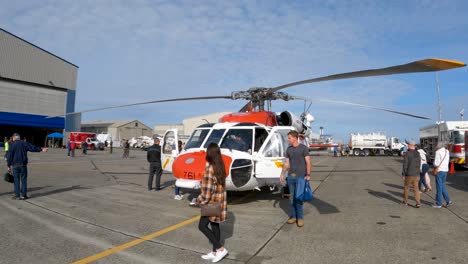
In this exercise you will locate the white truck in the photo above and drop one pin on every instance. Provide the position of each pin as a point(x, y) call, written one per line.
point(452, 133)
point(104, 138)
point(141, 142)
point(374, 143)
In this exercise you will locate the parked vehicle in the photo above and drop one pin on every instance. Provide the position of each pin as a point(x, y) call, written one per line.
point(77, 138)
point(374, 143)
point(141, 142)
point(104, 138)
point(451, 133)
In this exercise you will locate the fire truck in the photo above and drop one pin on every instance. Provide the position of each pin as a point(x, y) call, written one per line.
point(452, 133)
point(77, 138)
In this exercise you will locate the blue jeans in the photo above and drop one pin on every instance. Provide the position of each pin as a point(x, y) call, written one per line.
point(177, 190)
point(422, 176)
point(20, 177)
point(441, 188)
point(296, 205)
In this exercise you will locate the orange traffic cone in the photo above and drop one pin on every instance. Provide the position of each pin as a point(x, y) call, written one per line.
point(452, 167)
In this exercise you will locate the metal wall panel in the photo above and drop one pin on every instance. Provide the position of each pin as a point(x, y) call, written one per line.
point(30, 99)
point(20, 60)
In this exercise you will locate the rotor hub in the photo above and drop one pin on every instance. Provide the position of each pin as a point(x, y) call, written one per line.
point(260, 94)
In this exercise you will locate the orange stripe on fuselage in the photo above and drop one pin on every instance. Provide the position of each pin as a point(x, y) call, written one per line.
point(191, 166)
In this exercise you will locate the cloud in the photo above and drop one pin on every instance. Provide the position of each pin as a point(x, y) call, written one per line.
point(130, 51)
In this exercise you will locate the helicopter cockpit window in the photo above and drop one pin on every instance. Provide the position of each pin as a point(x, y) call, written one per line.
point(277, 145)
point(197, 138)
point(214, 137)
point(260, 135)
point(169, 142)
point(238, 139)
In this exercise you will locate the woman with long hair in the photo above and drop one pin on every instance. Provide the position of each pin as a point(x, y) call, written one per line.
point(213, 190)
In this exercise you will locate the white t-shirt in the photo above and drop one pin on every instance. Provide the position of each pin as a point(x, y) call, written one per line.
point(440, 161)
point(422, 153)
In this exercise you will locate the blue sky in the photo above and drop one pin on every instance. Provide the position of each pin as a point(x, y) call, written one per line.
point(132, 51)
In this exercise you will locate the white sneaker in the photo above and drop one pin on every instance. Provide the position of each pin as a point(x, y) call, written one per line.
point(208, 256)
point(220, 255)
point(178, 197)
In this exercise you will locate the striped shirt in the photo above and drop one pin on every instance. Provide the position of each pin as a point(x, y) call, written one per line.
point(212, 193)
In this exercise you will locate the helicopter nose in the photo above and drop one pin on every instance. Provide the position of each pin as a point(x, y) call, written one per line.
point(191, 166)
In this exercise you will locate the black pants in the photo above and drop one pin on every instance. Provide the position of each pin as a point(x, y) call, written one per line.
point(154, 168)
point(213, 234)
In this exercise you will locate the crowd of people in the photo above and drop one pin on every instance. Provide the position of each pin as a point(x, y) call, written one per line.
point(415, 174)
point(297, 167)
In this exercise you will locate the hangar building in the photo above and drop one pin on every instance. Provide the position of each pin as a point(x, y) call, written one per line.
point(119, 129)
point(34, 84)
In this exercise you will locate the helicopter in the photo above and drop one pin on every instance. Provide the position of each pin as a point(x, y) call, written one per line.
point(253, 141)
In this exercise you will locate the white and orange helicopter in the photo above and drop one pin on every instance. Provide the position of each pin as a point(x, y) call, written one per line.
point(254, 140)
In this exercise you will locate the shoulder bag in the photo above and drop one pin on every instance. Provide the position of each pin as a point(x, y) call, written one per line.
point(213, 209)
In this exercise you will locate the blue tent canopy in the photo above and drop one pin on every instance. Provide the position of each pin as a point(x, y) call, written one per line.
point(55, 135)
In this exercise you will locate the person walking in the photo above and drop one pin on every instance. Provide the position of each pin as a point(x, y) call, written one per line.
point(298, 163)
point(153, 156)
point(68, 147)
point(126, 150)
point(213, 190)
point(17, 161)
point(177, 194)
point(6, 145)
point(410, 172)
point(441, 162)
point(84, 147)
point(423, 171)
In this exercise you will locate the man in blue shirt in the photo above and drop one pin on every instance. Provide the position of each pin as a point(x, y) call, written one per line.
point(17, 161)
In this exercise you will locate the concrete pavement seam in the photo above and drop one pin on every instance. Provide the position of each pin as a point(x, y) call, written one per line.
point(105, 175)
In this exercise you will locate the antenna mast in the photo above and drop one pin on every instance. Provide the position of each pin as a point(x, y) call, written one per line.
point(438, 98)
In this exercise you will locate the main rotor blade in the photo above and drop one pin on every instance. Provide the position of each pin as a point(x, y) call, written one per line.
point(363, 105)
point(149, 102)
point(427, 65)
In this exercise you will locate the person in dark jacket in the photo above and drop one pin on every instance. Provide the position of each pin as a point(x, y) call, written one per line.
point(410, 173)
point(154, 158)
point(17, 161)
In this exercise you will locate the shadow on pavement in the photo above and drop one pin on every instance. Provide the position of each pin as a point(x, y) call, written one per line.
point(324, 207)
point(384, 196)
point(29, 189)
point(393, 185)
point(227, 228)
point(458, 181)
point(75, 187)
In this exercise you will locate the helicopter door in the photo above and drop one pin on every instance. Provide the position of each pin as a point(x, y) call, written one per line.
point(269, 159)
point(169, 150)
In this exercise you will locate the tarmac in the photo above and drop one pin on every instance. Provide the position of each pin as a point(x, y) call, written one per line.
point(97, 209)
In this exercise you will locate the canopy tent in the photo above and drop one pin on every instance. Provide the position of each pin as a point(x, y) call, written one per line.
point(55, 135)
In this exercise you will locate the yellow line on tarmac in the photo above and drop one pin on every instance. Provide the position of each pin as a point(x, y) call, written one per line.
point(148, 237)
point(136, 241)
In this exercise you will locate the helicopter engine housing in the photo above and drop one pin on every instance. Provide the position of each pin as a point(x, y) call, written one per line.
point(287, 118)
